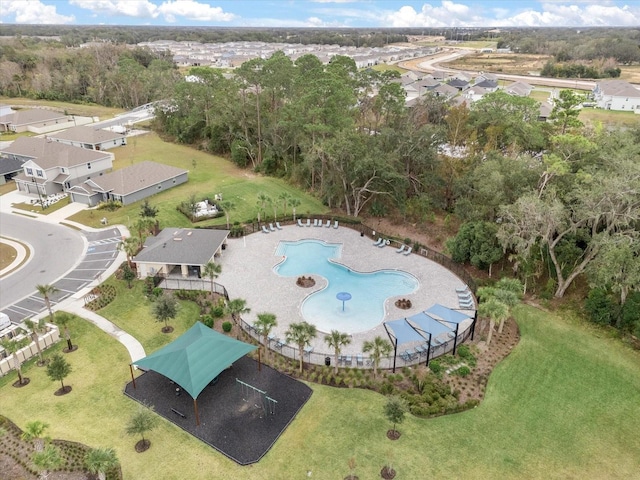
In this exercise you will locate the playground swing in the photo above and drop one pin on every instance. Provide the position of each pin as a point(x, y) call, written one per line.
point(259, 397)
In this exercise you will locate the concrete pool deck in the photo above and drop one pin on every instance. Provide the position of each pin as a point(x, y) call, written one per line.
point(247, 273)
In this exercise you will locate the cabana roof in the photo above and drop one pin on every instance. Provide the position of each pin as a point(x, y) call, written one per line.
point(195, 358)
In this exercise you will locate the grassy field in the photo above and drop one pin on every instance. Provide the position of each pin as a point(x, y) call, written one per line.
point(564, 404)
point(210, 175)
point(383, 66)
point(80, 109)
point(597, 115)
point(512, 63)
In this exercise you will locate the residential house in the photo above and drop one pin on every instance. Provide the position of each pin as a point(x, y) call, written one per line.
point(444, 90)
point(519, 89)
point(9, 168)
point(617, 95)
point(489, 85)
point(50, 167)
point(129, 184)
point(475, 93)
point(33, 118)
point(181, 251)
point(5, 110)
point(90, 138)
point(545, 111)
point(458, 84)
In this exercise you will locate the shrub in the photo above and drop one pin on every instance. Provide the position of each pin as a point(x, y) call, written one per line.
point(109, 205)
point(463, 371)
point(464, 352)
point(156, 292)
point(387, 388)
point(208, 321)
point(226, 326)
point(436, 367)
point(217, 311)
point(600, 307)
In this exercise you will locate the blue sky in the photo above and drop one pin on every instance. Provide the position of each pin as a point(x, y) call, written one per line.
point(325, 13)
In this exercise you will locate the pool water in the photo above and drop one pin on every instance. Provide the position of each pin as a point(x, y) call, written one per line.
point(368, 291)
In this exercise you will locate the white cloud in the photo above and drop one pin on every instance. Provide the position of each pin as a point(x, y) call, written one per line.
point(33, 11)
point(193, 10)
point(127, 8)
point(552, 13)
point(333, 1)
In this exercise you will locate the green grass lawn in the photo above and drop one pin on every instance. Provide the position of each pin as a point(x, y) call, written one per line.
point(597, 115)
point(210, 175)
point(38, 208)
point(564, 404)
point(82, 109)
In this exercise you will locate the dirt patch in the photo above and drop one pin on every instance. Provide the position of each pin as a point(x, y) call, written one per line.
point(511, 63)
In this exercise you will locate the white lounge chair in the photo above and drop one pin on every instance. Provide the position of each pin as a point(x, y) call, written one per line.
point(319, 224)
point(278, 226)
point(264, 229)
point(300, 223)
point(385, 243)
point(462, 289)
point(315, 222)
point(271, 227)
point(407, 251)
point(328, 224)
point(335, 224)
point(308, 222)
point(379, 242)
point(401, 249)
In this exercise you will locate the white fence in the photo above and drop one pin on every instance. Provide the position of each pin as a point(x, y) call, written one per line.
point(45, 341)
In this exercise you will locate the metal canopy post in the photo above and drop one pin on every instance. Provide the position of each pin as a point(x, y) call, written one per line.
point(428, 350)
point(473, 325)
point(455, 340)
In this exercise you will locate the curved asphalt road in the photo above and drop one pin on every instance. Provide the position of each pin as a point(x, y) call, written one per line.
point(55, 250)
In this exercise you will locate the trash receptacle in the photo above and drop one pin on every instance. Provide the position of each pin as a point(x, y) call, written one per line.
point(327, 361)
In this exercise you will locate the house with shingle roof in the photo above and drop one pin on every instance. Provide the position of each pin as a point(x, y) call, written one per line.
point(181, 251)
point(130, 184)
point(444, 90)
point(50, 167)
point(24, 120)
point(90, 138)
point(617, 95)
point(519, 89)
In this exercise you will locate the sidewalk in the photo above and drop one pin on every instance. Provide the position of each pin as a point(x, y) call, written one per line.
point(75, 303)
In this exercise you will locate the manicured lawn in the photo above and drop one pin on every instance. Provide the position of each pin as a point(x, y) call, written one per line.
point(597, 115)
point(82, 109)
point(564, 404)
point(7, 187)
point(38, 208)
point(210, 175)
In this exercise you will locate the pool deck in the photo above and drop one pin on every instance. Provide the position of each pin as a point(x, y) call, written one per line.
point(247, 273)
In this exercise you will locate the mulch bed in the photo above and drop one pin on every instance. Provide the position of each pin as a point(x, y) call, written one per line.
point(231, 421)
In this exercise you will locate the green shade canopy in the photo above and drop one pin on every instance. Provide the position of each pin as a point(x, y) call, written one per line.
point(195, 358)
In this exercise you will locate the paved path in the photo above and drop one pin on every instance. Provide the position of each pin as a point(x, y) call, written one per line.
point(96, 246)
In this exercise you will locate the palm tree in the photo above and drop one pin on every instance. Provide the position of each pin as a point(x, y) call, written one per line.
point(285, 198)
point(130, 246)
point(46, 460)
point(212, 270)
point(337, 340)
point(227, 206)
point(377, 348)
point(143, 226)
point(495, 310)
point(46, 291)
point(99, 460)
point(273, 204)
point(63, 319)
point(301, 334)
point(12, 346)
point(264, 325)
point(295, 203)
point(236, 308)
point(35, 329)
point(33, 432)
point(263, 199)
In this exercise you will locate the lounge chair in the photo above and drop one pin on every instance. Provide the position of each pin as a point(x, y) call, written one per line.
point(264, 229)
point(328, 224)
point(467, 297)
point(466, 305)
point(407, 251)
point(308, 350)
point(278, 226)
point(462, 289)
point(308, 222)
point(319, 224)
point(359, 360)
point(335, 224)
point(420, 349)
point(315, 222)
point(401, 249)
point(347, 360)
point(379, 242)
point(385, 243)
point(300, 223)
point(271, 227)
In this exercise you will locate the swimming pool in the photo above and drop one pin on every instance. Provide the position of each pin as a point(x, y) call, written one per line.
point(368, 291)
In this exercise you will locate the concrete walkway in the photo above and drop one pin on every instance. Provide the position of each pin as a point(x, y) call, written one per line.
point(75, 303)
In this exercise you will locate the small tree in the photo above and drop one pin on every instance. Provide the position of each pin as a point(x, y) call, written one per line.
point(35, 329)
point(12, 346)
point(495, 310)
point(143, 227)
point(337, 340)
point(285, 198)
point(46, 460)
point(128, 275)
point(395, 410)
point(100, 460)
point(301, 334)
point(212, 270)
point(146, 210)
point(63, 319)
point(143, 421)
point(377, 348)
point(294, 203)
point(236, 308)
point(46, 291)
point(34, 432)
point(59, 369)
point(165, 308)
point(264, 325)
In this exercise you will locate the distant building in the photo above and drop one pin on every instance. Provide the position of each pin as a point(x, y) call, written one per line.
point(617, 95)
point(33, 118)
point(90, 138)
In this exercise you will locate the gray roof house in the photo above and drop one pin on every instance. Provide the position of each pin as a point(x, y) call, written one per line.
point(49, 168)
point(130, 184)
point(89, 138)
point(22, 120)
point(519, 89)
point(444, 90)
point(180, 251)
point(617, 95)
point(9, 168)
